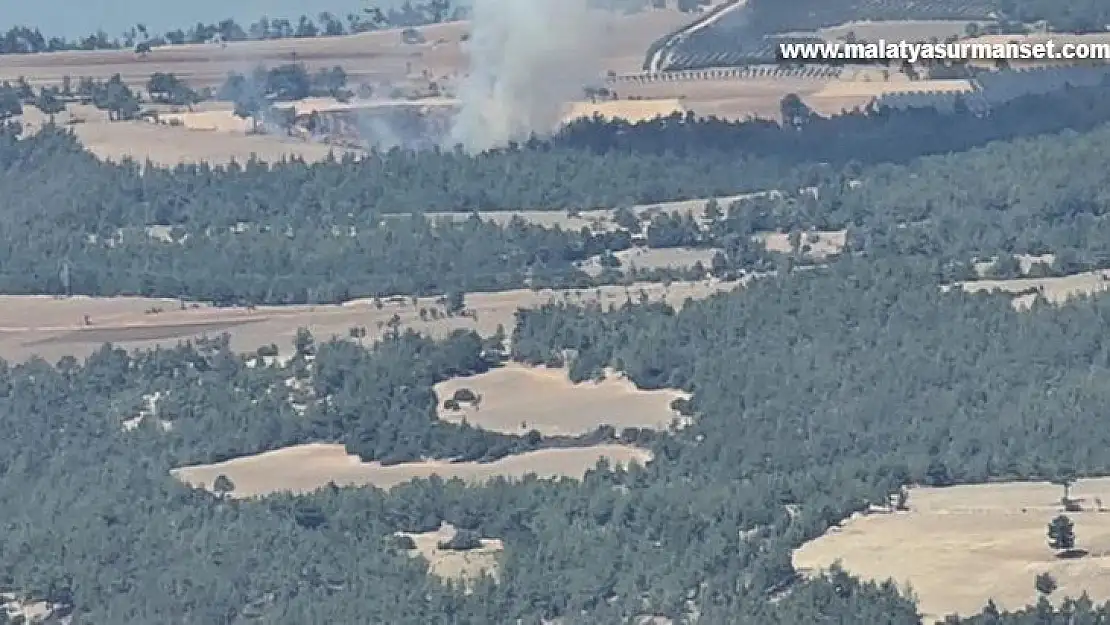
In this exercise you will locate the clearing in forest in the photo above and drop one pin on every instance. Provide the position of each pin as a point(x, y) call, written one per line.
point(654, 258)
point(53, 327)
point(960, 546)
point(515, 399)
point(305, 468)
point(1054, 290)
point(452, 564)
point(208, 140)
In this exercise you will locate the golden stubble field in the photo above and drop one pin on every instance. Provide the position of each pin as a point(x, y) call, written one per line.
point(306, 468)
point(168, 145)
point(516, 398)
point(1056, 290)
point(54, 327)
point(960, 546)
point(367, 57)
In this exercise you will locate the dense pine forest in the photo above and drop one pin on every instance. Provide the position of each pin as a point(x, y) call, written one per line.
point(294, 232)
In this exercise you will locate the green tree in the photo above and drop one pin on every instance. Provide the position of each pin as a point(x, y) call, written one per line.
point(1045, 583)
point(1061, 534)
point(223, 485)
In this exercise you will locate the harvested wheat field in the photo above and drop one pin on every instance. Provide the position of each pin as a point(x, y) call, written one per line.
point(454, 565)
point(1054, 290)
point(874, 89)
point(212, 138)
point(628, 110)
point(517, 398)
point(596, 219)
point(305, 468)
point(54, 327)
point(733, 98)
point(816, 244)
point(366, 57)
point(654, 258)
point(962, 545)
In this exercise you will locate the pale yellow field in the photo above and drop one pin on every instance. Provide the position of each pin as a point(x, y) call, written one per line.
point(873, 89)
point(366, 57)
point(305, 468)
point(597, 219)
point(960, 546)
point(821, 244)
point(168, 145)
point(516, 399)
point(455, 565)
point(654, 258)
point(1054, 290)
point(628, 110)
point(743, 98)
point(53, 327)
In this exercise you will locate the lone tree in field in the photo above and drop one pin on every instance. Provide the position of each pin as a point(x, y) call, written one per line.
point(1061, 534)
point(1065, 477)
point(1045, 584)
point(223, 485)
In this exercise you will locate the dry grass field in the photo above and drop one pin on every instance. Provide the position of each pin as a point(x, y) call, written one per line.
point(516, 399)
point(628, 110)
point(820, 244)
point(1054, 290)
point(305, 468)
point(960, 546)
point(368, 57)
point(654, 258)
point(455, 565)
point(53, 327)
point(210, 139)
point(743, 98)
point(597, 219)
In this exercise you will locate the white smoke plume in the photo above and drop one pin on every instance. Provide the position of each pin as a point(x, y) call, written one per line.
point(528, 59)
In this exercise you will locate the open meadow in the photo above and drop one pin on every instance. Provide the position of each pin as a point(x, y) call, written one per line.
point(378, 56)
point(516, 399)
point(54, 327)
point(305, 468)
point(962, 545)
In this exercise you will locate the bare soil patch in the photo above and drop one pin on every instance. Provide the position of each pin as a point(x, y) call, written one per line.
point(517, 398)
point(54, 327)
point(305, 468)
point(449, 564)
point(962, 545)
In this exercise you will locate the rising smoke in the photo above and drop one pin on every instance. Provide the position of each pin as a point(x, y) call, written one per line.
point(528, 59)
